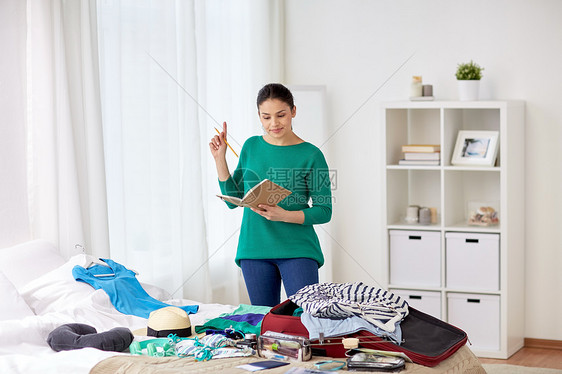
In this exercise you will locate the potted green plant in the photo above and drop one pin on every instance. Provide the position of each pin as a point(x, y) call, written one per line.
point(468, 78)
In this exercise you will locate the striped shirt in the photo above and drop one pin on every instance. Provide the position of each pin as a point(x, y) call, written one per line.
point(341, 300)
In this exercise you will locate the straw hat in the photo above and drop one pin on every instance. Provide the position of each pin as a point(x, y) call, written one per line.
point(165, 321)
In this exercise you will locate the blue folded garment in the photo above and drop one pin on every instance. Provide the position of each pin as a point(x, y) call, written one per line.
point(332, 327)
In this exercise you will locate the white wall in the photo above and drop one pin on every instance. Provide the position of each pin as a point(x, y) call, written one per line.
point(354, 46)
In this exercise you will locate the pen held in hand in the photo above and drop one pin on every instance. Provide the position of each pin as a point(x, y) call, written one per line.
point(218, 132)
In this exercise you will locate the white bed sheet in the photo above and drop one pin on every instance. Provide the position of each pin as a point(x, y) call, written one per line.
point(35, 301)
point(56, 298)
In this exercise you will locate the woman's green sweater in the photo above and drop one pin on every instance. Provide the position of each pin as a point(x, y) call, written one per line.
point(300, 168)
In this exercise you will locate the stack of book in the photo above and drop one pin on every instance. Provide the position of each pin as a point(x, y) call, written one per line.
point(421, 154)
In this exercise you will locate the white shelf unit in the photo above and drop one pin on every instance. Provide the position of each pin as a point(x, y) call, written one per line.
point(450, 188)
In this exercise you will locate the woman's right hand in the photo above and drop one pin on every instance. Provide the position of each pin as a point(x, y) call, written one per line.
point(218, 144)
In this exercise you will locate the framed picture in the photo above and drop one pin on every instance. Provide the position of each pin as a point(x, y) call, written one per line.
point(477, 148)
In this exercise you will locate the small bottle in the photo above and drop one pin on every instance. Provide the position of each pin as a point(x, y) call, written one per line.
point(416, 86)
point(433, 212)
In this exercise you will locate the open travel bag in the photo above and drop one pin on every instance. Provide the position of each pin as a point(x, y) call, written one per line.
point(426, 339)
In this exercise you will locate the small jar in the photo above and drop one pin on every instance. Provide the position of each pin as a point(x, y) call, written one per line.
point(416, 86)
point(427, 90)
point(412, 214)
point(425, 216)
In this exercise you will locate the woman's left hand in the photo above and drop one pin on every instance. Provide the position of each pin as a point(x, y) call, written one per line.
point(271, 213)
point(276, 213)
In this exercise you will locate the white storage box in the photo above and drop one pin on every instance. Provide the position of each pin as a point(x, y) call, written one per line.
point(426, 301)
point(415, 258)
point(473, 261)
point(479, 316)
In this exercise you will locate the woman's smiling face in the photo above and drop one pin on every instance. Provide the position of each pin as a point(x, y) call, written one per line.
point(276, 117)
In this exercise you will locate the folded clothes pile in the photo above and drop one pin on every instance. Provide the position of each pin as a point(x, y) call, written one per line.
point(338, 309)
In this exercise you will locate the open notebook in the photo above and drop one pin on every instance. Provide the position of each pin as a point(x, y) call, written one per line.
point(265, 192)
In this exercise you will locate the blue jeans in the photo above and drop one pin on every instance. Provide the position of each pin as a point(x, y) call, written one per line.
point(263, 278)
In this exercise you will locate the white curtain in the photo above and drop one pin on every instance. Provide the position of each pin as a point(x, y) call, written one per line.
point(56, 125)
point(66, 174)
point(14, 218)
point(171, 71)
point(244, 45)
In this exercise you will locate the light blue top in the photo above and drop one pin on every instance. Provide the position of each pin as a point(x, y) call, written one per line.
point(123, 288)
point(345, 326)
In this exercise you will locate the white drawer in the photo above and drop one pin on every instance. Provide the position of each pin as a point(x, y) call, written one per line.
point(426, 301)
point(479, 316)
point(415, 258)
point(473, 261)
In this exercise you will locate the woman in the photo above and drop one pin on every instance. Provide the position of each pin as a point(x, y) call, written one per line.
point(277, 243)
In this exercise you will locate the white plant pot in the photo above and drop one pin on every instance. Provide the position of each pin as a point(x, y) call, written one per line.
point(468, 90)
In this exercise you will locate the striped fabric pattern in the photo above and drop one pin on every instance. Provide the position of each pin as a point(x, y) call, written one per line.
point(341, 300)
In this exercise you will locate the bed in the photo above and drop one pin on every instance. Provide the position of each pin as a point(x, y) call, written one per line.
point(39, 294)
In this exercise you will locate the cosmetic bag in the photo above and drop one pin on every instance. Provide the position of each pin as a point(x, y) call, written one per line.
point(426, 340)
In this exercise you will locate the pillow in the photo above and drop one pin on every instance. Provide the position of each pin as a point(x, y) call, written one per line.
point(24, 262)
point(13, 305)
point(57, 289)
point(156, 292)
point(78, 335)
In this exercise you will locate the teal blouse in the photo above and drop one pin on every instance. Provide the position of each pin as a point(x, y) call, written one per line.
point(300, 168)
